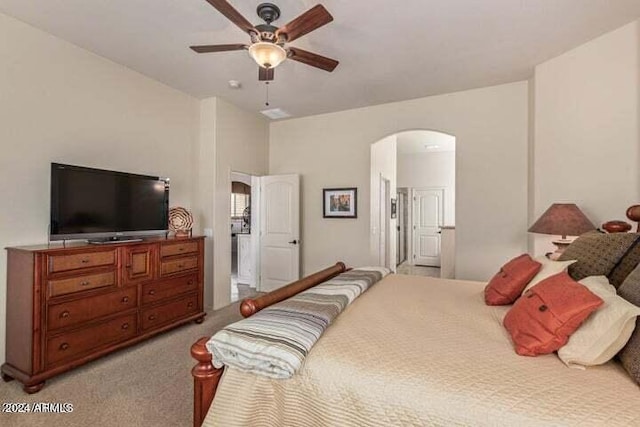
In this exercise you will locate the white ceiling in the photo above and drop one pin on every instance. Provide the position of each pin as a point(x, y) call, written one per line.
point(388, 50)
point(424, 141)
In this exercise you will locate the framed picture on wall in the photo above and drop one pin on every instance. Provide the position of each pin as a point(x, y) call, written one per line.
point(340, 203)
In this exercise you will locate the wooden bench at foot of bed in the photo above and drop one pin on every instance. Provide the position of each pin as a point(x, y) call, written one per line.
point(205, 376)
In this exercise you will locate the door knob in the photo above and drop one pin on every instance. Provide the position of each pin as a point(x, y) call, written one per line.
point(294, 242)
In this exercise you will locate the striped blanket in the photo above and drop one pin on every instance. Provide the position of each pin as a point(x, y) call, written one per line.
point(275, 341)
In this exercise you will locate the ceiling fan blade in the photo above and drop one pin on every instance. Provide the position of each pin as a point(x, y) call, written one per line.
point(312, 19)
point(232, 15)
point(313, 59)
point(265, 74)
point(218, 48)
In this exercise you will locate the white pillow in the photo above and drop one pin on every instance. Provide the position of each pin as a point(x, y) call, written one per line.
point(605, 332)
point(548, 269)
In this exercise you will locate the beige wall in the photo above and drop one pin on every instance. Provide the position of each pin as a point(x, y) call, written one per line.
point(421, 170)
point(240, 143)
point(60, 103)
point(587, 138)
point(383, 165)
point(331, 150)
point(204, 186)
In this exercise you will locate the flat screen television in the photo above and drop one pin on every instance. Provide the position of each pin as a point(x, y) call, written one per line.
point(102, 205)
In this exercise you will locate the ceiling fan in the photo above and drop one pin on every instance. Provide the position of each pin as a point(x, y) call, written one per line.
point(268, 42)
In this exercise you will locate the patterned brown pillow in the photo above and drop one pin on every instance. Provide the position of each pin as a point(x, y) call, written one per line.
point(630, 353)
point(597, 253)
point(625, 266)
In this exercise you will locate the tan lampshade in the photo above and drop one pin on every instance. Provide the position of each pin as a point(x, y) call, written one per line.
point(563, 219)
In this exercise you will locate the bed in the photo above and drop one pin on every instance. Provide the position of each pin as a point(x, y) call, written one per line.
point(414, 351)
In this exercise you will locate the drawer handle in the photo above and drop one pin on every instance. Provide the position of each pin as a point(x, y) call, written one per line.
point(180, 265)
point(152, 292)
point(190, 282)
point(181, 249)
point(64, 346)
point(125, 326)
point(152, 317)
point(64, 314)
point(84, 261)
point(85, 283)
point(190, 304)
point(125, 300)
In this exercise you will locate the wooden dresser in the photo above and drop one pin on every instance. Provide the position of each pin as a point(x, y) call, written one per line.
point(67, 305)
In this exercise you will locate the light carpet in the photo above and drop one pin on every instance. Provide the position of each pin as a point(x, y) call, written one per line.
point(148, 384)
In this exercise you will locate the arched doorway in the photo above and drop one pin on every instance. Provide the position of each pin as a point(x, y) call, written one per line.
point(413, 201)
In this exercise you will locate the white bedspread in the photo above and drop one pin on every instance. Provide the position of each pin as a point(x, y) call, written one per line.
point(422, 351)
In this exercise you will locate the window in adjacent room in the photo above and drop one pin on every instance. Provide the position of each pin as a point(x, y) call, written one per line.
point(240, 199)
point(239, 202)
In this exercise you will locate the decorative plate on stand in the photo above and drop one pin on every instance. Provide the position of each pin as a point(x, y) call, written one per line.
point(180, 221)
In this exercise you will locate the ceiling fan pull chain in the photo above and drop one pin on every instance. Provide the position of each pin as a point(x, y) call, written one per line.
point(267, 100)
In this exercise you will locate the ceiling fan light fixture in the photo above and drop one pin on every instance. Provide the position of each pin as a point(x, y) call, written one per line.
point(267, 55)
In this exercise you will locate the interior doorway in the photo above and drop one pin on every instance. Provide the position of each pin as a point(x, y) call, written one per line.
point(413, 200)
point(242, 251)
point(265, 233)
point(385, 222)
point(403, 224)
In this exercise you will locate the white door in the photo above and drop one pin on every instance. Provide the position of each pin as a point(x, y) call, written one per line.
point(427, 220)
point(279, 231)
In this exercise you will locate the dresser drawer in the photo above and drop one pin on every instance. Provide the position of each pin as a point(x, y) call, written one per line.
point(184, 248)
point(81, 283)
point(178, 265)
point(79, 311)
point(153, 292)
point(76, 344)
point(58, 263)
point(162, 314)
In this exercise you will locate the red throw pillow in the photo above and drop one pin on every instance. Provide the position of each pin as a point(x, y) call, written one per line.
point(547, 314)
point(508, 283)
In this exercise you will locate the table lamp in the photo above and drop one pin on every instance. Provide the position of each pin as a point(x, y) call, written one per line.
point(562, 219)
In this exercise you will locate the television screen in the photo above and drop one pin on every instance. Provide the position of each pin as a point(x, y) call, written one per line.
point(93, 203)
